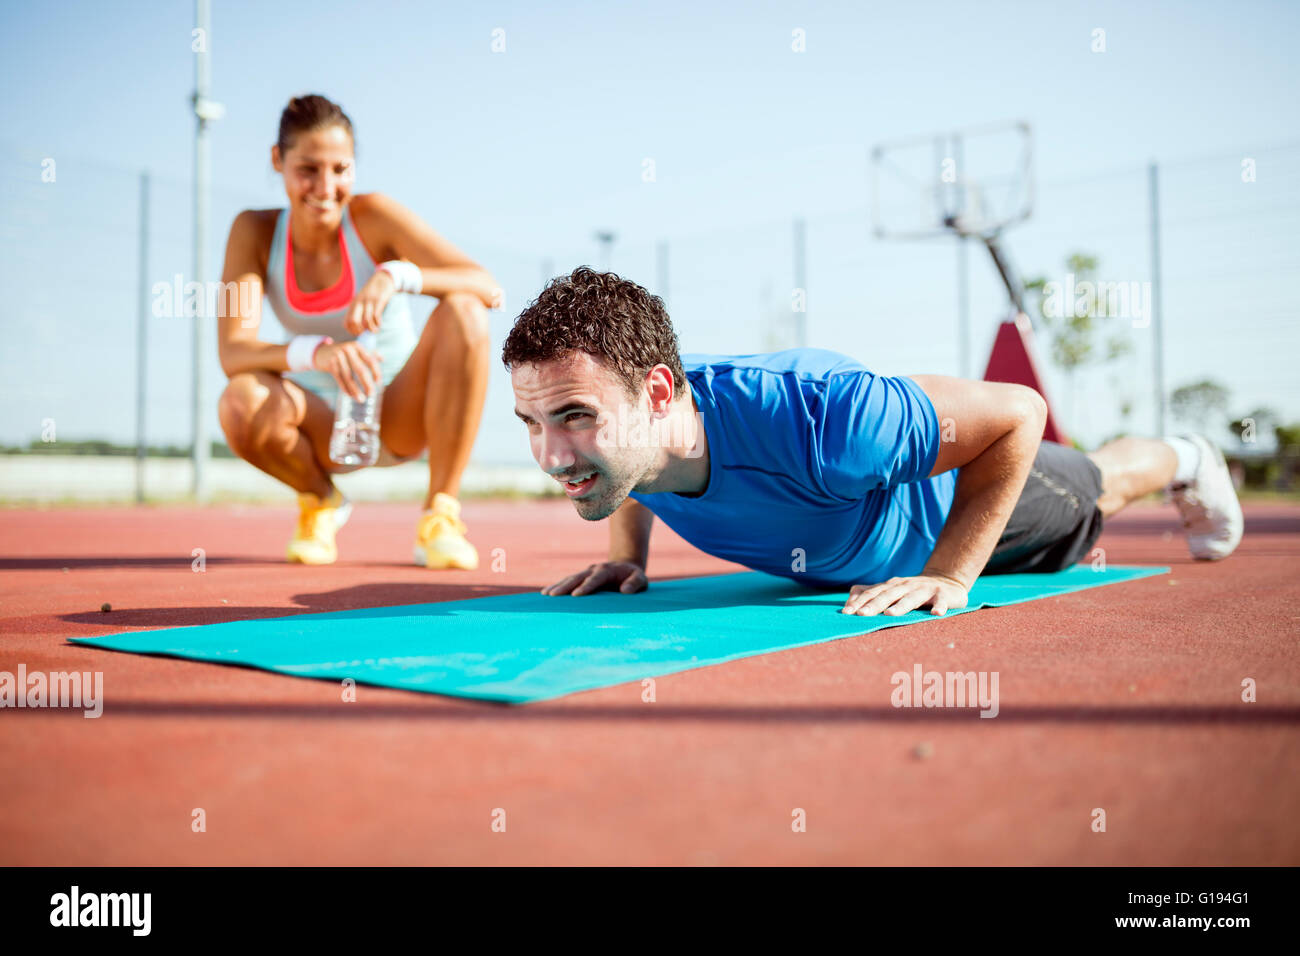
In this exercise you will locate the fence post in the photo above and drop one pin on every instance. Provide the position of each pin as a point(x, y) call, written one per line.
point(661, 270)
point(1157, 318)
point(801, 282)
point(963, 309)
point(142, 339)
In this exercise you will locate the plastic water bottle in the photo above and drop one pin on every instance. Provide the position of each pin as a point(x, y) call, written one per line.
point(355, 439)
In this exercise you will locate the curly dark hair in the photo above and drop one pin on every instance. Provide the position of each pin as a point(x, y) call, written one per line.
point(610, 318)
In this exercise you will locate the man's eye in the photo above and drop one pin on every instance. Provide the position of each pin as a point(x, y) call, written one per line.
point(572, 415)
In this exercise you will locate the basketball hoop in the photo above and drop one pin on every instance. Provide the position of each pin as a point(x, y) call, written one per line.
point(970, 183)
point(974, 182)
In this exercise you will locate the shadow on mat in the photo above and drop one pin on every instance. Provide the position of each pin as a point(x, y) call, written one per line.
point(450, 709)
point(768, 591)
point(175, 561)
point(392, 599)
point(359, 597)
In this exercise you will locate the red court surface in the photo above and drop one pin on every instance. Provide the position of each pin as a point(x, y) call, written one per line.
point(1126, 698)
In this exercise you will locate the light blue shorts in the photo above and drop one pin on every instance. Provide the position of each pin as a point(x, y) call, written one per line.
point(396, 347)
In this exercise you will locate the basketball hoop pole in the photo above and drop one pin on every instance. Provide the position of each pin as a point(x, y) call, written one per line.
point(953, 202)
point(992, 242)
point(1010, 278)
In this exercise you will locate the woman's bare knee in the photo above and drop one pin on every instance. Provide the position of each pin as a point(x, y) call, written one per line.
point(237, 406)
point(252, 413)
point(466, 313)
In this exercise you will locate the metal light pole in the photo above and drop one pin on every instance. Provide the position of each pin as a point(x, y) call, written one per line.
point(606, 240)
point(661, 269)
point(205, 112)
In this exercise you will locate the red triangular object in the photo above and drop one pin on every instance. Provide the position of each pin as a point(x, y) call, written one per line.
point(1012, 360)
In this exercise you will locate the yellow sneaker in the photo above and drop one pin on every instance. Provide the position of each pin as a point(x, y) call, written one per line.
point(318, 521)
point(440, 537)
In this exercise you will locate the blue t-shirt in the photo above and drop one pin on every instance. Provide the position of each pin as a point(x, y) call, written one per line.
point(818, 469)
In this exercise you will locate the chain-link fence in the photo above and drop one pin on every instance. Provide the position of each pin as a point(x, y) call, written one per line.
point(72, 239)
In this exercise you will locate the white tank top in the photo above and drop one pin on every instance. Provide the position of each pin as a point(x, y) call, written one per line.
point(322, 312)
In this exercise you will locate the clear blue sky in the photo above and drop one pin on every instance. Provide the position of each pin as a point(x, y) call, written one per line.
point(519, 156)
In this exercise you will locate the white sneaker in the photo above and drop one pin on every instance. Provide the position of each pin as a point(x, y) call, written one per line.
point(1208, 504)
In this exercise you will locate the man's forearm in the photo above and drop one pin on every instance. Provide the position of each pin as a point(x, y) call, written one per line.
point(629, 532)
point(987, 490)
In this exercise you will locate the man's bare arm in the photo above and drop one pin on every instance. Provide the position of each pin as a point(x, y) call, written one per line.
point(991, 431)
point(629, 533)
point(629, 549)
point(994, 430)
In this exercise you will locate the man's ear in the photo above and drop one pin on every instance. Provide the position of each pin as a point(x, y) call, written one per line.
point(661, 389)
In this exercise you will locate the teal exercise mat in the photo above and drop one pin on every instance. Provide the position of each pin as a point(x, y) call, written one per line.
point(518, 648)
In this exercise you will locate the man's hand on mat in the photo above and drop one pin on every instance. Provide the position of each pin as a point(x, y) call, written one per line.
point(900, 595)
point(624, 575)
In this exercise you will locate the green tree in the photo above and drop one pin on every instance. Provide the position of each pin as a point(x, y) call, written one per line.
point(1288, 437)
point(1249, 427)
point(1196, 403)
point(1074, 327)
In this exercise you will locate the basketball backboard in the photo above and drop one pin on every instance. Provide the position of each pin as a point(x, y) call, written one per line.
point(974, 181)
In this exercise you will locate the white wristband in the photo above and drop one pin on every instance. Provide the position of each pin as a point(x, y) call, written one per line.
point(302, 351)
point(406, 276)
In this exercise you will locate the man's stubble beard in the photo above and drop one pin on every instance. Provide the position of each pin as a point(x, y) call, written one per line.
point(613, 496)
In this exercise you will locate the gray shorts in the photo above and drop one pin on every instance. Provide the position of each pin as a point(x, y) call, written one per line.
point(1056, 521)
